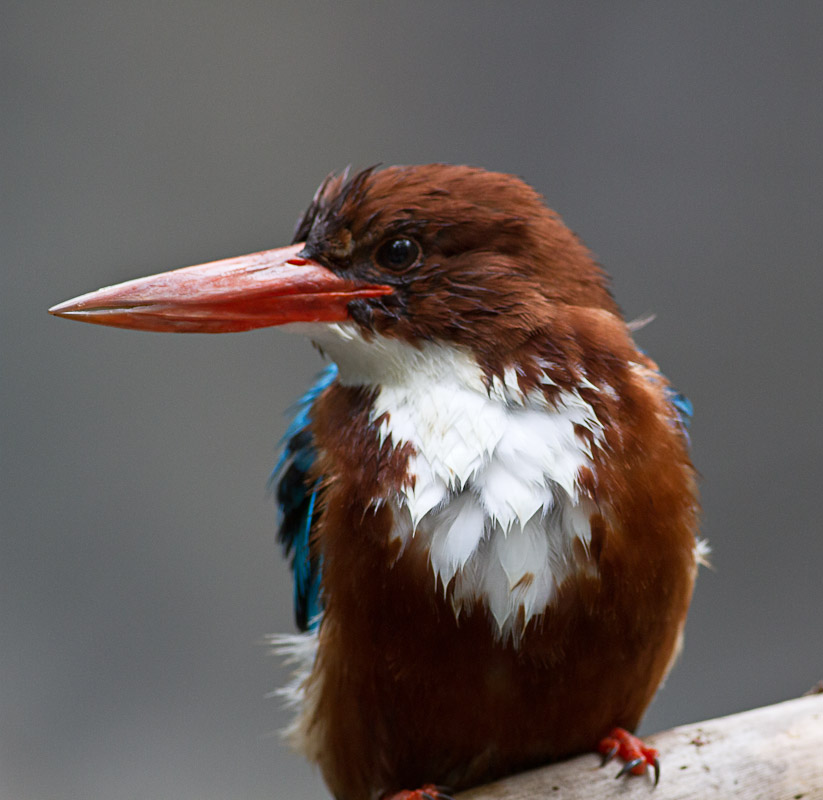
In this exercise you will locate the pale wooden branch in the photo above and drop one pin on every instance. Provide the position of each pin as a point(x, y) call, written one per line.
point(771, 753)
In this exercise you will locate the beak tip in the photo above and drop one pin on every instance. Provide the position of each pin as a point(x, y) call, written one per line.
point(67, 308)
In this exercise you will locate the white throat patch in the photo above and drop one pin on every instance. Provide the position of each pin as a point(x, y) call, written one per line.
point(495, 493)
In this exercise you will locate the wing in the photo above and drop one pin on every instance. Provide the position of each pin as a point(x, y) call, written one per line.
point(681, 405)
point(682, 408)
point(296, 495)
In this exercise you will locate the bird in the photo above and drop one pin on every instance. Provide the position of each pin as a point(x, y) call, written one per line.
point(487, 498)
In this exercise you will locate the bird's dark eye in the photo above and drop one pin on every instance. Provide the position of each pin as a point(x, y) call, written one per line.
point(397, 254)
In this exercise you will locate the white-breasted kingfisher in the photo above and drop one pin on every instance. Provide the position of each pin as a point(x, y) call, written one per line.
point(487, 498)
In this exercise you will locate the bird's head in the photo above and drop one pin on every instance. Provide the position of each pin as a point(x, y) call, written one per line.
point(450, 255)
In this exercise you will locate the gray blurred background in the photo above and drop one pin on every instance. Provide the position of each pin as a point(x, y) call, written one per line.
point(139, 571)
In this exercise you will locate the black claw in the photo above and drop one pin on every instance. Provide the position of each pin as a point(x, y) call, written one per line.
point(439, 794)
point(628, 767)
point(656, 765)
point(608, 756)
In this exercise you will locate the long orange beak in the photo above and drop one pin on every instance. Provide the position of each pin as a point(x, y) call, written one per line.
point(237, 294)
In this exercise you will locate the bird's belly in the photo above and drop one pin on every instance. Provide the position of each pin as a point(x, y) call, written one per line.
point(414, 696)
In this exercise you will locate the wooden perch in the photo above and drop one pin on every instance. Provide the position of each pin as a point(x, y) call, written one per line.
point(771, 753)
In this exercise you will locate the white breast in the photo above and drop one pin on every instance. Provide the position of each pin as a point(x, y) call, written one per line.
point(493, 489)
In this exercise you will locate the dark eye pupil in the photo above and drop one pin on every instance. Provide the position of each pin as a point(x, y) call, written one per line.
point(397, 253)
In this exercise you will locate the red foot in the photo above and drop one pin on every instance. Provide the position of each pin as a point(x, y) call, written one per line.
point(630, 749)
point(427, 792)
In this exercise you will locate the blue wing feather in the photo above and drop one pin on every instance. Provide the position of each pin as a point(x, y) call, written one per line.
point(683, 408)
point(296, 495)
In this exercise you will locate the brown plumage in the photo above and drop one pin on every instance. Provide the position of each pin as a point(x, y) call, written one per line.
point(449, 286)
point(446, 702)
